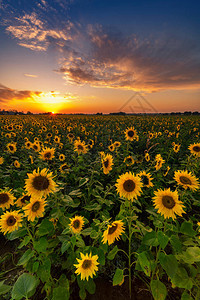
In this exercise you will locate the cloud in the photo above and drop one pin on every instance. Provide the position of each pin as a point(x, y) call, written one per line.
point(7, 94)
point(116, 61)
point(36, 34)
point(30, 75)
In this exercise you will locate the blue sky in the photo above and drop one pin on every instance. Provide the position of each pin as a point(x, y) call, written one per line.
point(93, 52)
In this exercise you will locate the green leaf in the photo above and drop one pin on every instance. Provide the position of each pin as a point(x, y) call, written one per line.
point(82, 294)
point(41, 245)
point(60, 293)
point(191, 255)
point(35, 266)
point(187, 228)
point(182, 280)
point(44, 270)
point(86, 231)
point(158, 290)
point(4, 288)
point(101, 256)
point(94, 234)
point(185, 296)
point(92, 207)
point(150, 239)
point(24, 287)
point(90, 286)
point(65, 246)
point(162, 239)
point(26, 257)
point(169, 264)
point(77, 193)
point(83, 181)
point(17, 233)
point(24, 242)
point(46, 228)
point(118, 277)
point(144, 263)
point(80, 242)
point(176, 244)
point(112, 253)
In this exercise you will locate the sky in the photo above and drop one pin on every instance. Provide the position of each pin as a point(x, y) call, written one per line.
point(89, 56)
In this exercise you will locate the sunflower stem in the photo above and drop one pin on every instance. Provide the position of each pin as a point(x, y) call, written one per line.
point(129, 250)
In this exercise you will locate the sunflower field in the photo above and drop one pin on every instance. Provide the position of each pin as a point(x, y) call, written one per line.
point(100, 200)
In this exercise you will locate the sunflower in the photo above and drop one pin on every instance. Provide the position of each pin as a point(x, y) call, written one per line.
point(35, 209)
point(11, 147)
point(159, 162)
point(186, 179)
point(129, 186)
point(36, 147)
point(195, 149)
point(146, 179)
point(39, 183)
point(131, 134)
point(113, 232)
point(47, 154)
point(176, 148)
point(22, 201)
point(129, 160)
point(61, 157)
point(80, 147)
point(10, 221)
point(111, 147)
point(146, 156)
point(117, 144)
point(167, 203)
point(17, 164)
point(28, 145)
point(70, 137)
point(76, 224)
point(87, 266)
point(6, 199)
point(1, 160)
point(107, 162)
point(31, 159)
point(63, 168)
point(57, 139)
point(91, 144)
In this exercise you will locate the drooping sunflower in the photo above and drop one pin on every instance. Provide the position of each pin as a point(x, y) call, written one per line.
point(47, 154)
point(129, 160)
point(114, 231)
point(6, 198)
point(63, 168)
point(131, 134)
point(146, 179)
point(176, 148)
point(22, 201)
point(146, 156)
point(167, 203)
point(159, 162)
point(186, 180)
point(10, 221)
point(11, 147)
point(129, 186)
point(91, 144)
point(195, 149)
point(87, 266)
point(36, 147)
point(1, 160)
point(80, 147)
point(61, 157)
point(76, 224)
point(35, 209)
point(107, 162)
point(40, 183)
point(17, 164)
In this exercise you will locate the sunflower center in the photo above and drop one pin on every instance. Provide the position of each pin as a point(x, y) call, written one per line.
point(71, 135)
point(106, 162)
point(185, 180)
point(86, 264)
point(129, 185)
point(112, 229)
point(145, 179)
point(25, 198)
point(80, 147)
point(47, 155)
point(11, 148)
point(76, 224)
point(131, 133)
point(196, 148)
point(168, 201)
point(129, 159)
point(36, 206)
point(4, 198)
point(40, 183)
point(11, 221)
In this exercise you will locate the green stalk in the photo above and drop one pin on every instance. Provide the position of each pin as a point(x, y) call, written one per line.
point(129, 250)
